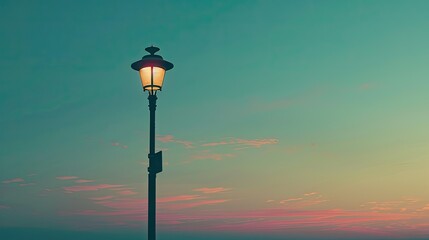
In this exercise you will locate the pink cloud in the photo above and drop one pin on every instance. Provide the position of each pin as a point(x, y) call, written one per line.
point(83, 181)
point(425, 208)
point(14, 180)
point(178, 206)
point(101, 198)
point(4, 207)
point(299, 204)
point(290, 199)
point(110, 213)
point(66, 177)
point(306, 200)
point(257, 142)
point(310, 194)
point(127, 192)
point(212, 156)
point(129, 206)
point(137, 203)
point(404, 205)
point(90, 187)
point(270, 220)
point(125, 203)
point(165, 138)
point(122, 188)
point(212, 190)
point(117, 144)
point(170, 138)
point(243, 143)
point(285, 219)
point(178, 198)
point(274, 220)
point(212, 144)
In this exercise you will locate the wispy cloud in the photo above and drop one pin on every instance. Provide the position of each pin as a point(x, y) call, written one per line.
point(212, 190)
point(81, 188)
point(212, 156)
point(290, 200)
point(277, 220)
point(132, 206)
point(306, 200)
point(136, 205)
point(238, 143)
point(406, 204)
point(241, 143)
point(425, 208)
point(256, 142)
point(118, 144)
point(111, 213)
point(124, 203)
point(127, 192)
point(101, 198)
point(165, 138)
point(66, 177)
point(83, 181)
point(4, 207)
point(212, 144)
point(14, 180)
point(310, 194)
point(170, 138)
point(285, 220)
point(121, 188)
point(187, 205)
point(75, 178)
point(178, 198)
point(280, 219)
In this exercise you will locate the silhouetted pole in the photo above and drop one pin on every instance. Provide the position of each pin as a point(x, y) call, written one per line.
point(152, 174)
point(152, 69)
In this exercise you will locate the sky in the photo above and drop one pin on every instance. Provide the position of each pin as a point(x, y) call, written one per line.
point(280, 119)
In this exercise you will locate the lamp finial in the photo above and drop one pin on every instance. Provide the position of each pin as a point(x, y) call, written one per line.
point(152, 49)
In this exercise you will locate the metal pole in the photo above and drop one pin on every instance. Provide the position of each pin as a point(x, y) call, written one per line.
point(152, 173)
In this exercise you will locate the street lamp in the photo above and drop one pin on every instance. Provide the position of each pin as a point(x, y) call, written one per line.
point(152, 70)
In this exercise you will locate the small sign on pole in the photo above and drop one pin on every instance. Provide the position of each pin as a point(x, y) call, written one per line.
point(155, 162)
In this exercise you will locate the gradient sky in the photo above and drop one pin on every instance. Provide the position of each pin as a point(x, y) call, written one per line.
point(280, 119)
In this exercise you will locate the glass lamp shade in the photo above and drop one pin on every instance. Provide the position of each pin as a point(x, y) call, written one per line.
point(152, 78)
point(152, 69)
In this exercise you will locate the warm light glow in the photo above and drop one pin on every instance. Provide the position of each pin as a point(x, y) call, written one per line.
point(158, 78)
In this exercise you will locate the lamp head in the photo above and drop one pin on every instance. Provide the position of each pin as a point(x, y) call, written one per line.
point(152, 70)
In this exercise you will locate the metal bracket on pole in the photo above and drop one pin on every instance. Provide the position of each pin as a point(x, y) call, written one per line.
point(155, 162)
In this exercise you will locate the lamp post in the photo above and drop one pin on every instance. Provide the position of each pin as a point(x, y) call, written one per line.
point(152, 70)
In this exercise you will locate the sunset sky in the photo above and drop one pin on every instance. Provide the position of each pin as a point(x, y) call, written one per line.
point(280, 119)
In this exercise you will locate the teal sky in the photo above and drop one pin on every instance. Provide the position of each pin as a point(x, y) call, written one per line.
point(281, 119)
